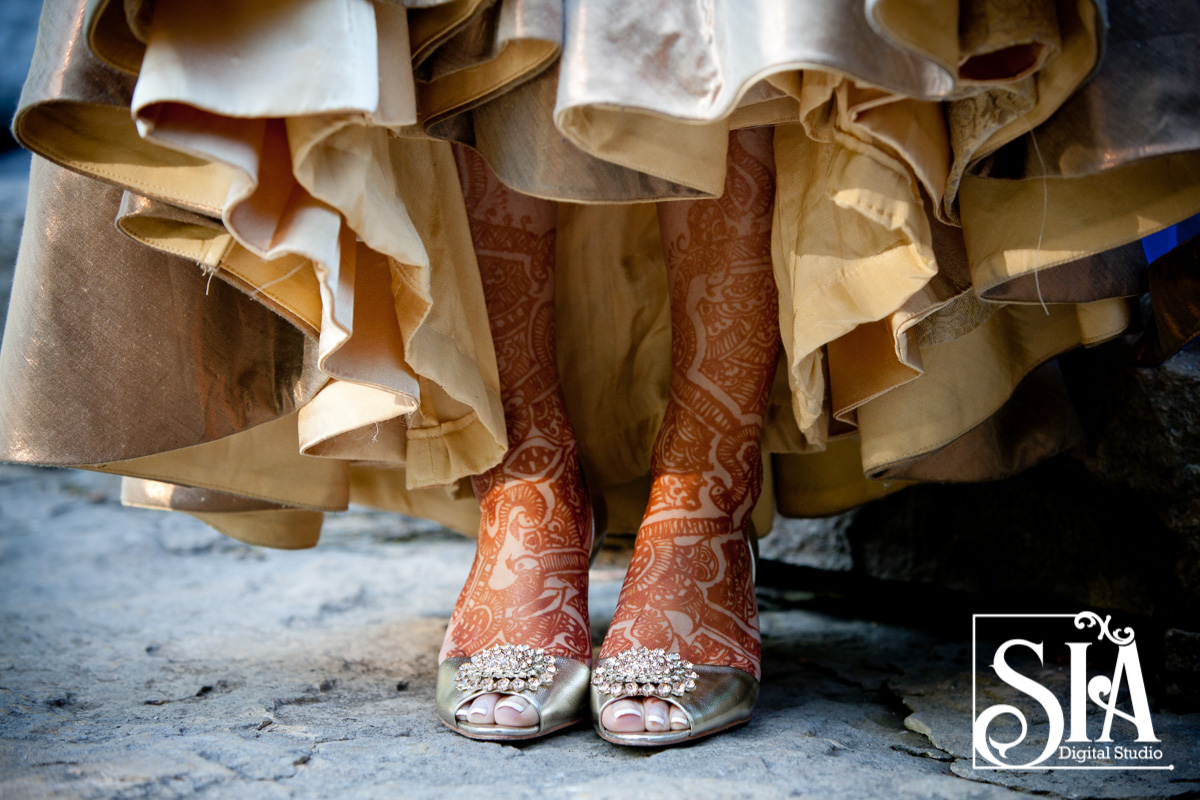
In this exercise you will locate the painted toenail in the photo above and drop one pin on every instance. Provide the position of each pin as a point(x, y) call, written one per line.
point(625, 712)
point(515, 703)
point(656, 719)
point(461, 714)
point(478, 712)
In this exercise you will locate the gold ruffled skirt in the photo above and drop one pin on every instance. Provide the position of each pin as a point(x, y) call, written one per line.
point(247, 283)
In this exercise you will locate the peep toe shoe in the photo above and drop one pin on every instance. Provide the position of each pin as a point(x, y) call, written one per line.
point(556, 686)
point(712, 697)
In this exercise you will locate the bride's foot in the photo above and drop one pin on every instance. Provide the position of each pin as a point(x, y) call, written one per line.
point(652, 715)
point(690, 588)
point(689, 591)
point(528, 585)
point(495, 709)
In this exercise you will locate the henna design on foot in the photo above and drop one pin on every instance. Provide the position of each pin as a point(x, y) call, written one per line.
point(528, 583)
point(690, 585)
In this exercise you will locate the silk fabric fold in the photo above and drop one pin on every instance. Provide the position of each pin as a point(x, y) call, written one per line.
point(247, 280)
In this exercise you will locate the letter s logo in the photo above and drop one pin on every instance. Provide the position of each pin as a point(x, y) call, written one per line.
point(1027, 686)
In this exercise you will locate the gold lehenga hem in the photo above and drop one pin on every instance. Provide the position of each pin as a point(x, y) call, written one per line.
point(258, 297)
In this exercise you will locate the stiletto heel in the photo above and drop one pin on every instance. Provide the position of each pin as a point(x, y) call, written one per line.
point(599, 513)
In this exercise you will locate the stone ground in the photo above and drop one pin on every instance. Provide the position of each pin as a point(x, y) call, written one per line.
point(14, 183)
point(144, 655)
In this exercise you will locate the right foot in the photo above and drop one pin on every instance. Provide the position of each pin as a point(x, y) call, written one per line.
point(528, 584)
point(690, 587)
point(689, 590)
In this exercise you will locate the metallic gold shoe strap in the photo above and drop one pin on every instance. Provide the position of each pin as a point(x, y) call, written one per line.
point(559, 702)
point(642, 672)
point(722, 697)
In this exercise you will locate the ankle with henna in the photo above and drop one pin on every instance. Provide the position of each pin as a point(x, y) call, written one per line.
point(690, 590)
point(690, 586)
point(528, 583)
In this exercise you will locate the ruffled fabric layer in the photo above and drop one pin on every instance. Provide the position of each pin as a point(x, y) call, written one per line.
point(247, 280)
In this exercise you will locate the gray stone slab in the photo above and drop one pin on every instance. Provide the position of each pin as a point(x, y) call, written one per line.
point(14, 185)
point(820, 543)
point(940, 695)
point(143, 655)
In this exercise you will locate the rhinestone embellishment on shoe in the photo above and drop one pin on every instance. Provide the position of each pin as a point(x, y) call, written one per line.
point(506, 668)
point(644, 672)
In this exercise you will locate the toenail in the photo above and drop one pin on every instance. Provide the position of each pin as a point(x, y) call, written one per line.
point(625, 712)
point(515, 703)
point(656, 719)
point(461, 714)
point(478, 712)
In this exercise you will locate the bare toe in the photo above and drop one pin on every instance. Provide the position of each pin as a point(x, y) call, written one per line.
point(679, 720)
point(656, 714)
point(482, 710)
point(515, 712)
point(624, 716)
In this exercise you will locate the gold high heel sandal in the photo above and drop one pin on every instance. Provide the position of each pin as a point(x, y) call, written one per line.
point(557, 687)
point(713, 698)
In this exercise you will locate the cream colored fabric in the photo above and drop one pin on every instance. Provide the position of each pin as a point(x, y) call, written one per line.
point(967, 379)
point(263, 462)
point(306, 187)
point(291, 149)
point(1074, 217)
point(851, 244)
point(614, 332)
point(355, 422)
point(483, 53)
point(254, 522)
point(117, 39)
point(858, 272)
point(287, 285)
point(286, 529)
point(74, 110)
point(826, 482)
point(1070, 34)
point(663, 108)
point(665, 111)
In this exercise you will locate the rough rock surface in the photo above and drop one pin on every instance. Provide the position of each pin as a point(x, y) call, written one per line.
point(820, 543)
point(1050, 529)
point(1114, 525)
point(14, 184)
point(143, 655)
point(1144, 424)
point(18, 31)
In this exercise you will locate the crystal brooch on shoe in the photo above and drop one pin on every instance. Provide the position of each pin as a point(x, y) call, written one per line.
point(646, 673)
point(506, 668)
